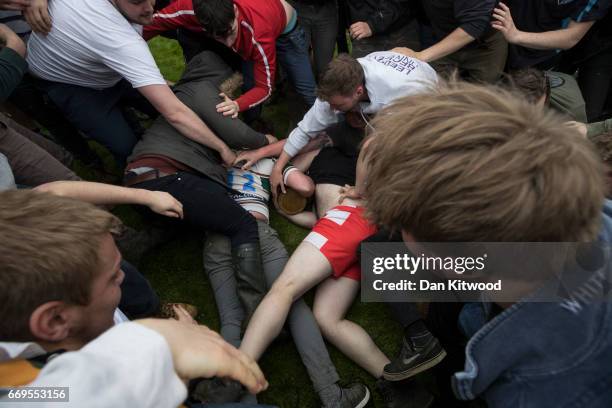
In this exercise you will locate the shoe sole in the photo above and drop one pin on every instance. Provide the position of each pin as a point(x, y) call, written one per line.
point(365, 399)
point(425, 365)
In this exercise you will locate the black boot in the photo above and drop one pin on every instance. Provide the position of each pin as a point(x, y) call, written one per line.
point(250, 278)
point(405, 394)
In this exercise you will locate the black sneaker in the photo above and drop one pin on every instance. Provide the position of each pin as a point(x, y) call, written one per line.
point(414, 359)
point(218, 391)
point(403, 394)
point(354, 396)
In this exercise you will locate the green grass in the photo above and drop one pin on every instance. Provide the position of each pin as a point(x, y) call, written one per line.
point(175, 271)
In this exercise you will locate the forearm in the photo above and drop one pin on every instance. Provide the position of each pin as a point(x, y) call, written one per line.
point(97, 193)
point(361, 170)
point(282, 161)
point(558, 39)
point(191, 126)
point(271, 150)
point(451, 43)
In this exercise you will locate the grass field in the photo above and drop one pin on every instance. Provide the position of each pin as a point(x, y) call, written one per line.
point(176, 272)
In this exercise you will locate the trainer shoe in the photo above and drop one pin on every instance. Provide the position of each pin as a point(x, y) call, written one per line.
point(416, 355)
point(354, 396)
point(403, 394)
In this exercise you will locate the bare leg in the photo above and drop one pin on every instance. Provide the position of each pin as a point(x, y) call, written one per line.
point(326, 196)
point(333, 299)
point(305, 219)
point(305, 268)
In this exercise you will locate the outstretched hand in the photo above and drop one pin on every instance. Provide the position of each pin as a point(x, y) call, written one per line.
point(37, 16)
point(164, 204)
point(228, 107)
point(198, 352)
point(246, 159)
point(348, 192)
point(407, 52)
point(228, 157)
point(502, 21)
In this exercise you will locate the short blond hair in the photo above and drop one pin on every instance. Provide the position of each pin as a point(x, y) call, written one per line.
point(49, 251)
point(474, 163)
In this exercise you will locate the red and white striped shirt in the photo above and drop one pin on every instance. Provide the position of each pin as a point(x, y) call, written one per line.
point(260, 23)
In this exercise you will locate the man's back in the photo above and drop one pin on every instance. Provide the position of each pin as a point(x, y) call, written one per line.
point(91, 44)
point(389, 75)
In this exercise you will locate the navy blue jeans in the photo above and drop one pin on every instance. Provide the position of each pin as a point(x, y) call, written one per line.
point(138, 299)
point(292, 54)
point(98, 113)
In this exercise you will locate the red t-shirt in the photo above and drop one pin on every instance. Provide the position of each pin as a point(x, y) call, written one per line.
point(260, 23)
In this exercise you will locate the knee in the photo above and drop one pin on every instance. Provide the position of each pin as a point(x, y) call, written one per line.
point(301, 183)
point(327, 323)
point(282, 292)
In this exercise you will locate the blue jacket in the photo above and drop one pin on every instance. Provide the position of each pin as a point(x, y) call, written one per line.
point(544, 354)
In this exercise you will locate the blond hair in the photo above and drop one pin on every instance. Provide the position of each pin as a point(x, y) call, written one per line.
point(49, 248)
point(475, 163)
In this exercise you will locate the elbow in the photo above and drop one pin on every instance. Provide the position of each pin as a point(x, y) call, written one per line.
point(175, 117)
point(572, 40)
point(570, 43)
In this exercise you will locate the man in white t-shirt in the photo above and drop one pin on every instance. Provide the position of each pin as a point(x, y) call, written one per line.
point(365, 85)
point(60, 287)
point(93, 59)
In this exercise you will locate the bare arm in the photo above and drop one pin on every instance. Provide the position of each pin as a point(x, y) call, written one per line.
point(358, 191)
point(564, 38)
point(250, 157)
point(451, 43)
point(185, 120)
point(108, 194)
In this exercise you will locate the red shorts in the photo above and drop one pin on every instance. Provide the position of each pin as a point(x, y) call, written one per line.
point(338, 235)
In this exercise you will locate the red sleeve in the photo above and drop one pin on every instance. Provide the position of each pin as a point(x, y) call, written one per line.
point(179, 13)
point(264, 69)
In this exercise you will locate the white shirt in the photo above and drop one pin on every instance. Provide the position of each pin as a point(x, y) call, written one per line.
point(252, 187)
point(127, 366)
point(388, 76)
point(92, 45)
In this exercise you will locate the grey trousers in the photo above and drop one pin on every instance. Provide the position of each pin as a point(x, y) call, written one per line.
point(34, 160)
point(565, 96)
point(304, 328)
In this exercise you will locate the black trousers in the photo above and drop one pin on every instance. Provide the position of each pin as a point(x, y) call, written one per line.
point(207, 206)
point(138, 299)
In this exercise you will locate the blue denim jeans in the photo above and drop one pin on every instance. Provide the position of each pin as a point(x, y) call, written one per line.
point(320, 24)
point(98, 113)
point(292, 54)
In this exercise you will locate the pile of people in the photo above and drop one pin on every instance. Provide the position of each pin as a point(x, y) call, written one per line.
point(449, 121)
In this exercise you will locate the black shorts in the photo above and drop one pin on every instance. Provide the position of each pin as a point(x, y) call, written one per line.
point(332, 166)
point(337, 164)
